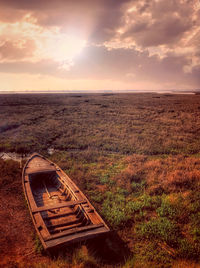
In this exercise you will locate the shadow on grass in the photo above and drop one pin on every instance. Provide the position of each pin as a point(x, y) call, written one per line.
point(104, 250)
point(110, 249)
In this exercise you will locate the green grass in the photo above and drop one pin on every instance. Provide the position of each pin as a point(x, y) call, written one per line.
point(38, 245)
point(161, 229)
point(114, 209)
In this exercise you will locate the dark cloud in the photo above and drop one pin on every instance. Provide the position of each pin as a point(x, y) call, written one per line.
point(168, 32)
point(159, 22)
point(49, 4)
point(101, 17)
point(153, 22)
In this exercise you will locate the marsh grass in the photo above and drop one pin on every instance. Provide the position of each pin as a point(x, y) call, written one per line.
point(135, 156)
point(121, 123)
point(38, 245)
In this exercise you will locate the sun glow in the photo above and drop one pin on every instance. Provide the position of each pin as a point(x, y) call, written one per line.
point(47, 44)
point(63, 47)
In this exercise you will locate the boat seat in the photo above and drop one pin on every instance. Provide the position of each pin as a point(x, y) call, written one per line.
point(59, 205)
point(74, 230)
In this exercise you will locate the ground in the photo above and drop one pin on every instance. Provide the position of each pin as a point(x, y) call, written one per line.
point(17, 239)
point(135, 156)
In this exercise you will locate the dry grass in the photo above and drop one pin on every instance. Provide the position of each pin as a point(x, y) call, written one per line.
point(122, 123)
point(16, 229)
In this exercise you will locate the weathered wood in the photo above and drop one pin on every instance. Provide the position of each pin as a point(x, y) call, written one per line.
point(67, 227)
point(75, 230)
point(65, 219)
point(37, 219)
point(77, 237)
point(59, 215)
point(65, 222)
point(61, 205)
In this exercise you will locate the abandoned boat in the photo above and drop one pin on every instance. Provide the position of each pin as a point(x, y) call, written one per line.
point(60, 211)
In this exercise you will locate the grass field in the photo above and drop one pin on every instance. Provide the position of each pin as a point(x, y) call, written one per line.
point(135, 156)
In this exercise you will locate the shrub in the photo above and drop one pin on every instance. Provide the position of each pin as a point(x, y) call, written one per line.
point(38, 246)
point(114, 209)
point(150, 254)
point(138, 186)
point(161, 229)
point(144, 202)
point(175, 210)
point(96, 196)
point(134, 206)
point(195, 227)
point(167, 210)
point(188, 250)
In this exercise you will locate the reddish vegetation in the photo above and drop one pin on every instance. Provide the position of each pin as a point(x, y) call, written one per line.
point(173, 174)
point(17, 233)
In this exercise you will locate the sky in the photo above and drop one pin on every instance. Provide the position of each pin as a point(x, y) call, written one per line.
point(66, 45)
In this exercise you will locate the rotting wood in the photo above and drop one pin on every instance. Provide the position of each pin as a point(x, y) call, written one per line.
point(66, 227)
point(65, 218)
point(77, 237)
point(62, 205)
point(75, 230)
point(60, 215)
point(64, 223)
point(37, 219)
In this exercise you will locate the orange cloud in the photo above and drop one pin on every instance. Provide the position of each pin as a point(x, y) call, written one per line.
point(18, 50)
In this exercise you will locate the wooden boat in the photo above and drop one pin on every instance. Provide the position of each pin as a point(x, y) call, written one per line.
point(60, 211)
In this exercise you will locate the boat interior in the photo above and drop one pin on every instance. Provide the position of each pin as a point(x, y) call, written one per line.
point(49, 190)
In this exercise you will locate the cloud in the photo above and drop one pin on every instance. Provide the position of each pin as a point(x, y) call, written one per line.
point(147, 34)
point(158, 22)
point(20, 50)
point(97, 19)
point(123, 65)
point(43, 67)
point(129, 41)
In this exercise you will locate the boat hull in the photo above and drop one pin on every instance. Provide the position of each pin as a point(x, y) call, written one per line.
point(60, 211)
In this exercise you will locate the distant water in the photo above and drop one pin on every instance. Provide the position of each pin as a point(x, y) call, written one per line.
point(13, 156)
point(103, 91)
point(18, 157)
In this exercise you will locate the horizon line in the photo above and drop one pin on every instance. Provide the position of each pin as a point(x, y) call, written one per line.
point(159, 91)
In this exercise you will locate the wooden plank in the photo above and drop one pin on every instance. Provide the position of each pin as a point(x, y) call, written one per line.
point(60, 205)
point(91, 215)
point(64, 178)
point(74, 230)
point(67, 227)
point(47, 199)
point(62, 220)
point(60, 215)
point(63, 224)
point(39, 223)
point(78, 237)
point(30, 195)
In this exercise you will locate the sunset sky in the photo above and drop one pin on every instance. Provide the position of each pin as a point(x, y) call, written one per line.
point(99, 45)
